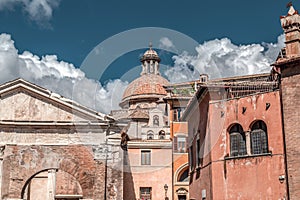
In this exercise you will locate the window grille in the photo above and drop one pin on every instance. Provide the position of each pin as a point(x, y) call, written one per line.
point(237, 141)
point(259, 141)
point(145, 193)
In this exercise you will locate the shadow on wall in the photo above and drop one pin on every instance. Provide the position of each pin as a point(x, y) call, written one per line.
point(128, 190)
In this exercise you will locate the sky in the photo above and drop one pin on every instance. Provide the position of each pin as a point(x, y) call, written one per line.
point(89, 50)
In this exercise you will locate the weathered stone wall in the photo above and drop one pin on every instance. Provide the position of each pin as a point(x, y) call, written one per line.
point(53, 145)
point(24, 105)
point(21, 163)
point(114, 172)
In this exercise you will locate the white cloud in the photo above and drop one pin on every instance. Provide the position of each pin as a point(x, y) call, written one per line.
point(166, 43)
point(218, 58)
point(222, 58)
point(40, 11)
point(58, 76)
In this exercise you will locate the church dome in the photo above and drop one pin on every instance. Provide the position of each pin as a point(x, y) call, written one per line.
point(149, 86)
point(146, 86)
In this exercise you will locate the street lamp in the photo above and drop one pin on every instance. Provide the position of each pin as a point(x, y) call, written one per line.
point(166, 190)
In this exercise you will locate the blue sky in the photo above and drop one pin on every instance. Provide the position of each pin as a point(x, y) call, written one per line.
point(71, 29)
point(78, 26)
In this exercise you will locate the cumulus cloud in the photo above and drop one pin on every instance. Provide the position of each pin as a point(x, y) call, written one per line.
point(218, 58)
point(222, 58)
point(40, 11)
point(58, 76)
point(166, 43)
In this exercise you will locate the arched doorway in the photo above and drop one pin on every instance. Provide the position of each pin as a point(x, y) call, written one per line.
point(182, 193)
point(52, 184)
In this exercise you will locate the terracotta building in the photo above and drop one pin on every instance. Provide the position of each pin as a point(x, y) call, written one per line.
point(235, 140)
point(243, 131)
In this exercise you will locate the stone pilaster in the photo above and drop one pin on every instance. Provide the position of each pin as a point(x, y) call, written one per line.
point(114, 181)
point(51, 184)
point(248, 142)
point(101, 153)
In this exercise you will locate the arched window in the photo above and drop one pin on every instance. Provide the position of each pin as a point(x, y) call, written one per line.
point(184, 176)
point(155, 120)
point(259, 138)
point(161, 134)
point(150, 135)
point(237, 141)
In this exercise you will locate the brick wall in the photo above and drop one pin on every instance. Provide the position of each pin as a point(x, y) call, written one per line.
point(290, 89)
point(21, 163)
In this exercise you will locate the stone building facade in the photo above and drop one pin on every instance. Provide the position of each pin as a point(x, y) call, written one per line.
point(53, 148)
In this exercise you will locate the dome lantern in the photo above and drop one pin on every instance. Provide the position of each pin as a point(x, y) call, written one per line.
point(150, 62)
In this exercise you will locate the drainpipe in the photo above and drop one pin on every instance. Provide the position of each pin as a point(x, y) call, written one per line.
point(284, 141)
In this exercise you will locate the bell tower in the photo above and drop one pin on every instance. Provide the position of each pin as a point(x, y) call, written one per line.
point(288, 67)
point(291, 26)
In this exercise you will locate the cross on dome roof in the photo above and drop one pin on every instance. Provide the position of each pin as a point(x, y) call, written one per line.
point(150, 45)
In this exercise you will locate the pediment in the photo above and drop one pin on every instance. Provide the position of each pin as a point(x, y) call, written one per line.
point(182, 191)
point(24, 101)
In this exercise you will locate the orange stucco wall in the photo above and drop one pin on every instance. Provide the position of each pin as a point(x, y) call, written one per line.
point(155, 175)
point(249, 177)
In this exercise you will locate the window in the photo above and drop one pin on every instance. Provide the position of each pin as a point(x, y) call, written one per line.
point(145, 193)
point(184, 176)
point(155, 120)
point(176, 114)
point(146, 157)
point(150, 135)
point(237, 141)
point(162, 134)
point(181, 144)
point(259, 139)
